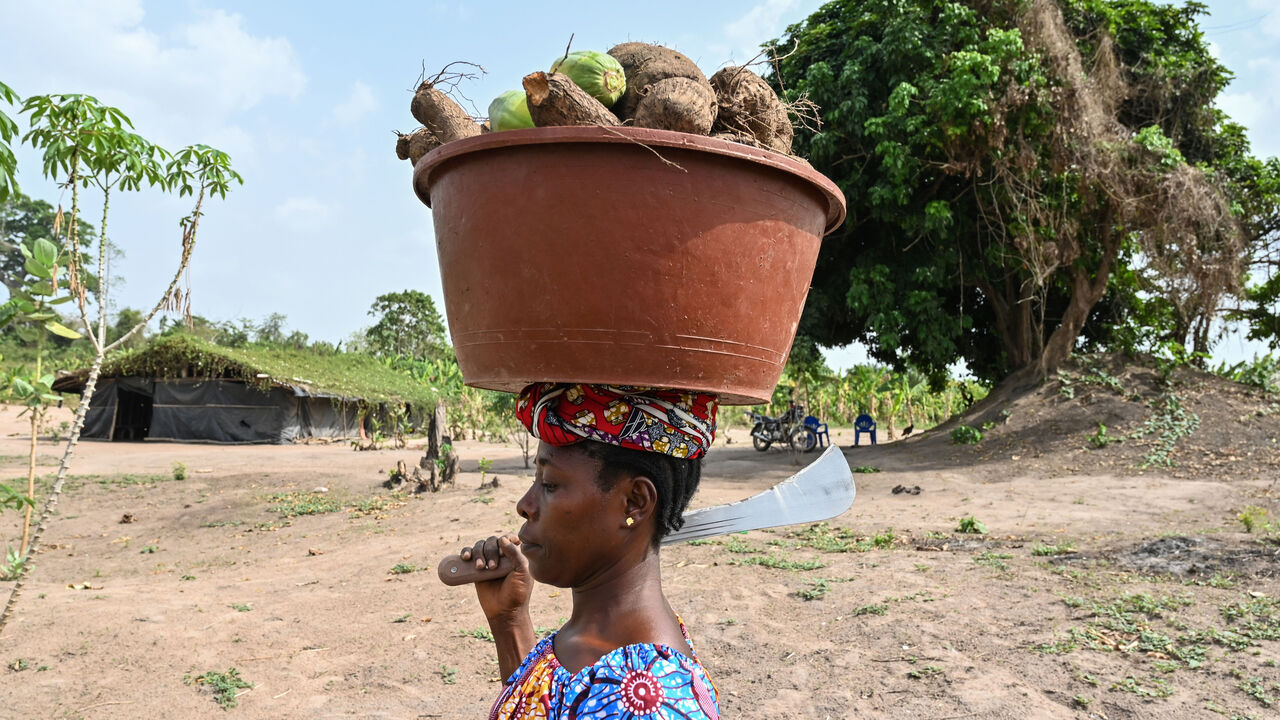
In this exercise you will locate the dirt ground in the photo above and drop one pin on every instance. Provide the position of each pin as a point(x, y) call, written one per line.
point(1102, 589)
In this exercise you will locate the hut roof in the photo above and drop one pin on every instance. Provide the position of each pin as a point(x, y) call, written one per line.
point(351, 376)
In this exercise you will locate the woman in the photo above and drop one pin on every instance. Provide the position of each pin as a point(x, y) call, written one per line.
point(615, 469)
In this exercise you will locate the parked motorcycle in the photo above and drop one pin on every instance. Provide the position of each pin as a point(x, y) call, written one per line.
point(788, 428)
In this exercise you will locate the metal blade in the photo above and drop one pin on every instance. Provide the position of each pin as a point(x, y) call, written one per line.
point(820, 491)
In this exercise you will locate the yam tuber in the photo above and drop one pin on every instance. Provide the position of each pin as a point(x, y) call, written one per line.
point(416, 144)
point(554, 99)
point(677, 103)
point(645, 65)
point(439, 114)
point(746, 105)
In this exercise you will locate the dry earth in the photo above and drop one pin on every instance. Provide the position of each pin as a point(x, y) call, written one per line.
point(1102, 589)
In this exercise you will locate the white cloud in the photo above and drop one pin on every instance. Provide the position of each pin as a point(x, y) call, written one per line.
point(177, 86)
point(302, 213)
point(760, 23)
point(361, 102)
point(1270, 23)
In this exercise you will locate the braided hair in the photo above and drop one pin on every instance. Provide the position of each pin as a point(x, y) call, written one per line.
point(676, 479)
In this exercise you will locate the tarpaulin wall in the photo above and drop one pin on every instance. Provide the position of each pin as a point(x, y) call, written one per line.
point(219, 411)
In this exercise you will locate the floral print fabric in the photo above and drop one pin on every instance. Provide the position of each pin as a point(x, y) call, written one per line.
point(680, 423)
point(650, 682)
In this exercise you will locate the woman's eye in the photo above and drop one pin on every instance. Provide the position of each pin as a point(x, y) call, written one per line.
point(548, 487)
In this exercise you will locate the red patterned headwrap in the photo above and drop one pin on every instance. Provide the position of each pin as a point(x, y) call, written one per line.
point(680, 423)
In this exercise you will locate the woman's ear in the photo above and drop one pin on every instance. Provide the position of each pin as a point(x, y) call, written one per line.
point(640, 498)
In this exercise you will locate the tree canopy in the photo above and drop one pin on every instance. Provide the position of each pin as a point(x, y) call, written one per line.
point(409, 325)
point(22, 220)
point(1023, 177)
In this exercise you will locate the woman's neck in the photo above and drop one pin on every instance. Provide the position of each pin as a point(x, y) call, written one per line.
point(624, 606)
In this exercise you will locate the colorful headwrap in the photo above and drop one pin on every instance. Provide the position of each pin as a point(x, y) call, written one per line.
point(681, 423)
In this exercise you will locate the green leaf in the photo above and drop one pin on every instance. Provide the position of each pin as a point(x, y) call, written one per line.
point(61, 330)
point(22, 388)
point(45, 251)
point(39, 269)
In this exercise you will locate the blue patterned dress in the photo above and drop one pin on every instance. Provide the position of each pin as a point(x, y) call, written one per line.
point(652, 682)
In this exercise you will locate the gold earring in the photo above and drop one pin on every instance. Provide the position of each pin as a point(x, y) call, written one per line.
point(631, 521)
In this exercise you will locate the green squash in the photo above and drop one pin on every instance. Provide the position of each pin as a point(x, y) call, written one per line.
point(509, 111)
point(598, 73)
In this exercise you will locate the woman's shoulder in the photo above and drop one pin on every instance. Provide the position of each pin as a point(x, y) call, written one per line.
point(643, 679)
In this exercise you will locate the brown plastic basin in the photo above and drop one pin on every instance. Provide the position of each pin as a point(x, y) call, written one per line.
point(625, 256)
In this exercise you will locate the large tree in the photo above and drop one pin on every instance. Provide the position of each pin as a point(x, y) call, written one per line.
point(408, 324)
point(22, 221)
point(1022, 176)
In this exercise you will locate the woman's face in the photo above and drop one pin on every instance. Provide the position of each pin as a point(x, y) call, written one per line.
point(573, 529)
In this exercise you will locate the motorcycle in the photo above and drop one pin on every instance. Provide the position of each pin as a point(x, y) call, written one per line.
point(788, 427)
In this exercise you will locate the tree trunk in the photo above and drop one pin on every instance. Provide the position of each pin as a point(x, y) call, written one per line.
point(1085, 293)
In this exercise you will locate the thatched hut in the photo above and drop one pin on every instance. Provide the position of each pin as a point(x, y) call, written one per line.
point(184, 389)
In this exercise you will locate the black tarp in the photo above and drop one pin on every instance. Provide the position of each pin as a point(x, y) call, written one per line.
point(218, 411)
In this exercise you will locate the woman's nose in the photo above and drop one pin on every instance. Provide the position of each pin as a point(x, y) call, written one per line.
point(524, 508)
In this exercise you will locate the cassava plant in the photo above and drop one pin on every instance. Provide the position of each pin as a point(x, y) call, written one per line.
point(89, 146)
point(31, 308)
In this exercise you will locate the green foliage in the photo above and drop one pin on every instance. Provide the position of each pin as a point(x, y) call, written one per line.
point(478, 633)
point(1043, 550)
point(223, 685)
point(893, 399)
point(815, 590)
point(780, 563)
point(992, 560)
point(402, 568)
point(871, 610)
point(1260, 372)
point(1101, 439)
point(1169, 423)
point(825, 537)
point(408, 325)
point(866, 469)
point(179, 471)
point(1151, 687)
point(970, 524)
point(8, 131)
point(14, 562)
point(1253, 518)
point(966, 435)
point(348, 375)
point(11, 499)
point(976, 178)
point(23, 220)
point(302, 503)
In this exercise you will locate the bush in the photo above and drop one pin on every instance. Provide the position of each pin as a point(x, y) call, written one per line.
point(966, 435)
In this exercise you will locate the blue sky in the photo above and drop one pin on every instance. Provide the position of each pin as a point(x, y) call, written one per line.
point(305, 96)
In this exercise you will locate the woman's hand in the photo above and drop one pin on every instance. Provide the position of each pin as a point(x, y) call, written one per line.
point(505, 600)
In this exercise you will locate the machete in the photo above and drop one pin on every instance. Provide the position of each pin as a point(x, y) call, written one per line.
point(822, 490)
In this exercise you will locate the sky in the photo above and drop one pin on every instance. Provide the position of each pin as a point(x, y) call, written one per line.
point(306, 97)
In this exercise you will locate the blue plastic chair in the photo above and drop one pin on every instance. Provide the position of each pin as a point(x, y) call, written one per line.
point(819, 429)
point(864, 424)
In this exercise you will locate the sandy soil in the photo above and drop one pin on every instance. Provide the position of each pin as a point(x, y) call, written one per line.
point(1152, 602)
